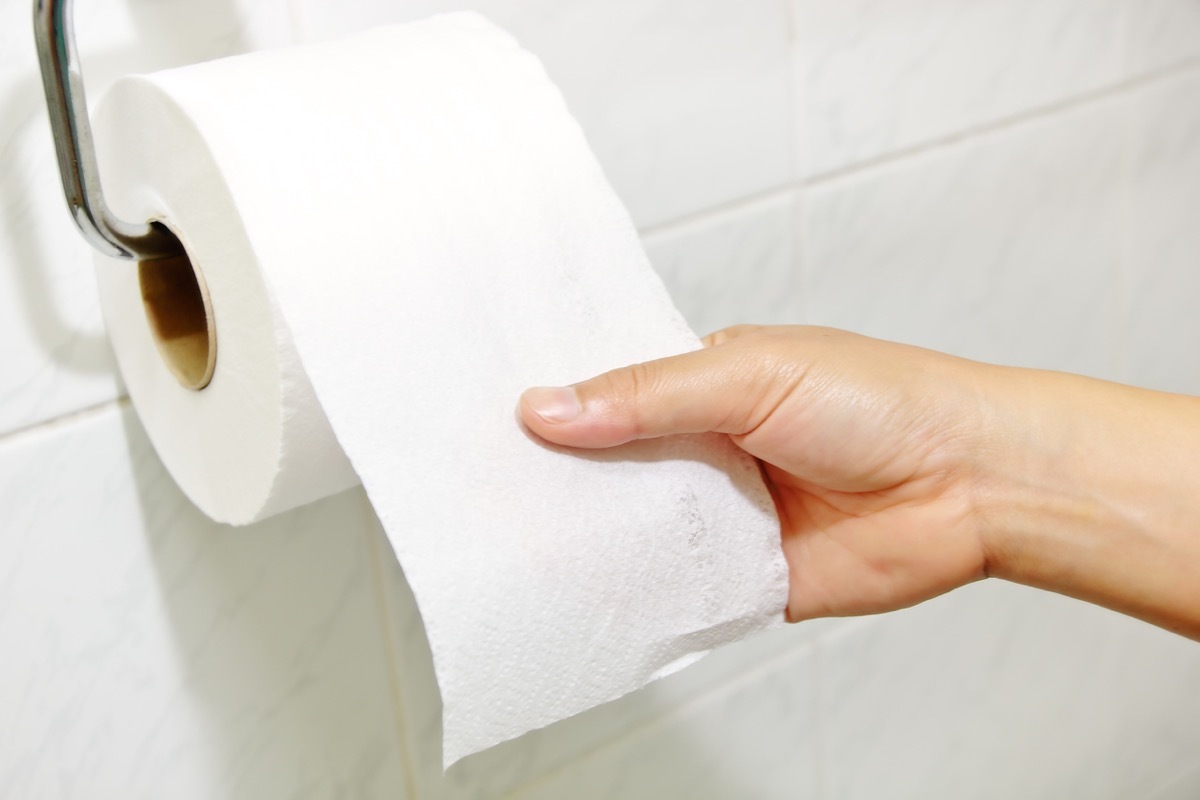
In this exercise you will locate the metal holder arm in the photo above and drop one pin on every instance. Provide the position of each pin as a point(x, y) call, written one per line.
point(67, 105)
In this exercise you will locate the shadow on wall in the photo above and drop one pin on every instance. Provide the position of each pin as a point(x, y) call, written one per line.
point(272, 680)
point(23, 222)
point(33, 213)
point(620, 749)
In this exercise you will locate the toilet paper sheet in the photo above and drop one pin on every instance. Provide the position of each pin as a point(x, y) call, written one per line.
point(400, 232)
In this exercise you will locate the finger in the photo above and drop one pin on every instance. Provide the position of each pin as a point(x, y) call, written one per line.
point(728, 334)
point(726, 388)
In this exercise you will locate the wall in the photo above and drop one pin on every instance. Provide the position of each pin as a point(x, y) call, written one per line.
point(1013, 180)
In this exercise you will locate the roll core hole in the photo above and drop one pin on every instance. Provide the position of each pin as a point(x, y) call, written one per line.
point(179, 311)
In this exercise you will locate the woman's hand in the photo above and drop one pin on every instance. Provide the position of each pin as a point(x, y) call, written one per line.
point(901, 473)
point(866, 446)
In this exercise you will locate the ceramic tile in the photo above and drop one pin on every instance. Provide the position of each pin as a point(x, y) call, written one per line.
point(54, 351)
point(1002, 691)
point(514, 764)
point(685, 103)
point(1183, 787)
point(736, 268)
point(876, 77)
point(753, 738)
point(1163, 245)
point(1161, 34)
point(1004, 249)
point(152, 653)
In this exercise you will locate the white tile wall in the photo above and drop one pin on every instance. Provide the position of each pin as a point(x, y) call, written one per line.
point(880, 76)
point(1163, 245)
point(685, 103)
point(999, 691)
point(705, 265)
point(1184, 787)
point(1003, 248)
point(149, 652)
point(1162, 34)
point(1007, 179)
point(712, 748)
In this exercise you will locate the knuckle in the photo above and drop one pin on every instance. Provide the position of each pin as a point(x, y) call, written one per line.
point(630, 390)
point(640, 378)
point(728, 334)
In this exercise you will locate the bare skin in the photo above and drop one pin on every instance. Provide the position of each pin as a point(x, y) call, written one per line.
point(901, 473)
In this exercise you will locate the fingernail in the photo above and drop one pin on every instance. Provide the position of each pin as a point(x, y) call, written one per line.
point(554, 403)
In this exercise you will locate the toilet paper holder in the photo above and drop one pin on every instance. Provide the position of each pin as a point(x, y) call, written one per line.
point(67, 106)
point(174, 292)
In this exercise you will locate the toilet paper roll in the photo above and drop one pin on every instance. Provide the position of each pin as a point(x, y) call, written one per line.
point(398, 232)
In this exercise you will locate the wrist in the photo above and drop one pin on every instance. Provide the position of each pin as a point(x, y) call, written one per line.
point(1092, 489)
point(1026, 449)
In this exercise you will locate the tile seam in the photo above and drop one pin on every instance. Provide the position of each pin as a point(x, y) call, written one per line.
point(1130, 135)
point(710, 694)
point(1005, 124)
point(816, 680)
point(393, 667)
point(1174, 781)
point(797, 242)
point(739, 205)
point(14, 436)
point(720, 212)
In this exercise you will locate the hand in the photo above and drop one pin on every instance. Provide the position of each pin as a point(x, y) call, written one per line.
point(868, 448)
point(900, 473)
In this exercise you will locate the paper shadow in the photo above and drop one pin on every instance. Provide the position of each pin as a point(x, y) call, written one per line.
point(696, 448)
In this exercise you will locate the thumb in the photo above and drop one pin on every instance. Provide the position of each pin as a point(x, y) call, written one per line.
point(728, 388)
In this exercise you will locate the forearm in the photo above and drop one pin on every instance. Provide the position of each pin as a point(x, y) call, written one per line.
point(1092, 489)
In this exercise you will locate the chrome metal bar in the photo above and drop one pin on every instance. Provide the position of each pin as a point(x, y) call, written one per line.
point(67, 105)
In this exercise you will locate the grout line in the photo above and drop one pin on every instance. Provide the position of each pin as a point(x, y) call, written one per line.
point(709, 695)
point(798, 256)
point(717, 213)
point(796, 143)
point(724, 210)
point(1005, 124)
point(393, 667)
point(797, 241)
point(816, 683)
point(1122, 310)
point(1014, 121)
point(1167, 789)
point(8, 438)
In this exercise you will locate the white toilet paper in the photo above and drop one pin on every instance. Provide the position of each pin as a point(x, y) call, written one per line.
point(399, 232)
